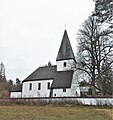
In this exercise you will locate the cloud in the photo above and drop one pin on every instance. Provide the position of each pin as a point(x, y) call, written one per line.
point(31, 31)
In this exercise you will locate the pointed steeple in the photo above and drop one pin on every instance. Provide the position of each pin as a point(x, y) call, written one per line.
point(65, 51)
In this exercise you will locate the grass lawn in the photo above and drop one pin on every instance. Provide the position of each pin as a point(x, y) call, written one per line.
point(51, 112)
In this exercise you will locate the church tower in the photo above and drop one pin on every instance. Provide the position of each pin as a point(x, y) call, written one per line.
point(65, 59)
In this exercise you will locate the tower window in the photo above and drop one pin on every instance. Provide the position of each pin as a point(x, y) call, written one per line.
point(48, 85)
point(30, 86)
point(64, 89)
point(64, 64)
point(39, 86)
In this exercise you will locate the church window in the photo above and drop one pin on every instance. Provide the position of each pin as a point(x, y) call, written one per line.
point(64, 64)
point(64, 89)
point(39, 86)
point(30, 86)
point(48, 85)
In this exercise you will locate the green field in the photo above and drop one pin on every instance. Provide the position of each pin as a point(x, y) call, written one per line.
point(51, 112)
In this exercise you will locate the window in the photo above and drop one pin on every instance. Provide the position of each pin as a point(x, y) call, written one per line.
point(64, 89)
point(48, 85)
point(30, 86)
point(64, 64)
point(39, 86)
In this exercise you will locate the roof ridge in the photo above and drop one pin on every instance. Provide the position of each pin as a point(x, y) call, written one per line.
point(46, 66)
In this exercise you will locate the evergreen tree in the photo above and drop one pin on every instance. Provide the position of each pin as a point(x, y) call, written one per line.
point(2, 73)
point(106, 82)
point(18, 82)
point(49, 64)
point(104, 11)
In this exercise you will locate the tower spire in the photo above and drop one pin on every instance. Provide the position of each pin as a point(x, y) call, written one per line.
point(65, 51)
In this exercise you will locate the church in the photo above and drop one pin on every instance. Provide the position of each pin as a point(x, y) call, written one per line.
point(54, 80)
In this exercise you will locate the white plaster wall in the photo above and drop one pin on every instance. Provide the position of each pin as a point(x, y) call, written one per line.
point(75, 89)
point(60, 93)
point(44, 92)
point(15, 94)
point(95, 101)
point(69, 65)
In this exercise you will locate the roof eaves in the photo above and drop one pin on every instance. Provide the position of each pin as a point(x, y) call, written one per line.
point(37, 79)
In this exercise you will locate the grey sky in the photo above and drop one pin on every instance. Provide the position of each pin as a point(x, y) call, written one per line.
point(31, 31)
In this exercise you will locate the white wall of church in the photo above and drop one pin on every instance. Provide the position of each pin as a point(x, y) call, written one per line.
point(15, 94)
point(69, 65)
point(75, 89)
point(34, 92)
point(60, 93)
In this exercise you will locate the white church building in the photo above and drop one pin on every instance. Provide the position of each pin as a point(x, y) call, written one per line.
point(52, 81)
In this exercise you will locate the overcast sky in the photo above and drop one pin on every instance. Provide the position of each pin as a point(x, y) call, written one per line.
point(31, 31)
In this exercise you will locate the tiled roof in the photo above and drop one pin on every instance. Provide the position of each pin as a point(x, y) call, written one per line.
point(65, 51)
point(42, 73)
point(61, 79)
point(17, 89)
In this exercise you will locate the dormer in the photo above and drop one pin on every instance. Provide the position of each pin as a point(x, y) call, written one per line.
point(65, 58)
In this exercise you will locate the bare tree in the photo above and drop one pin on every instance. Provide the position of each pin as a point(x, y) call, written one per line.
point(95, 44)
